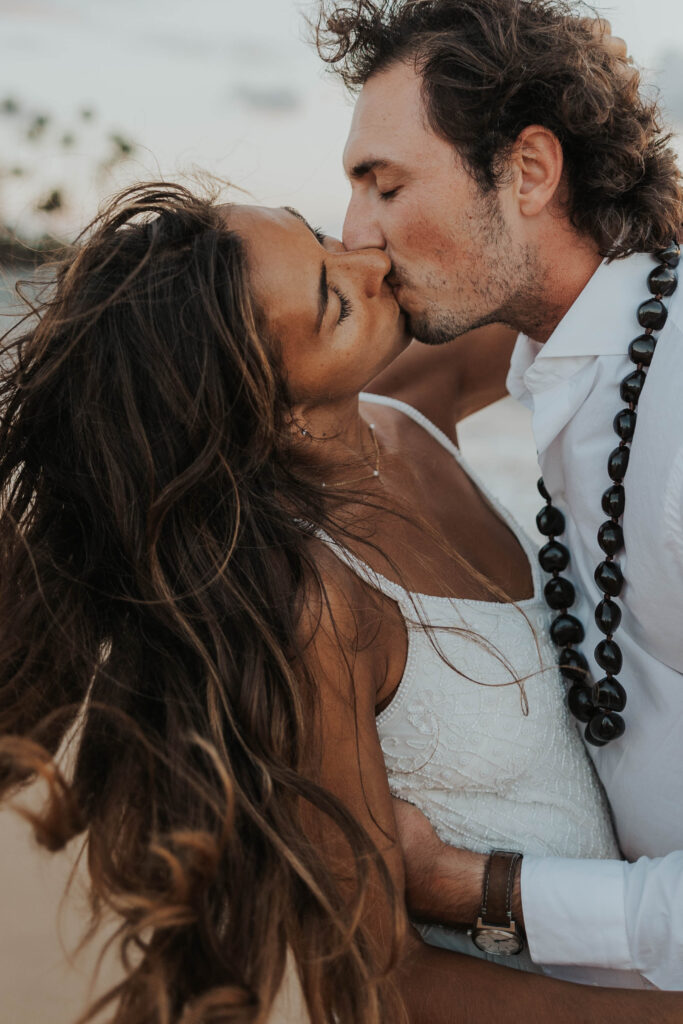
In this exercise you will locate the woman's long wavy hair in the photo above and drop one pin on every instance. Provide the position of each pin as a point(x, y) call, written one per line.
point(154, 564)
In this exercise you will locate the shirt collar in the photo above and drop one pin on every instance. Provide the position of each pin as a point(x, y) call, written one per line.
point(602, 321)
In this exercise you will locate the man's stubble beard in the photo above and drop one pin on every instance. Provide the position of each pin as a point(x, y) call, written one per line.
point(513, 292)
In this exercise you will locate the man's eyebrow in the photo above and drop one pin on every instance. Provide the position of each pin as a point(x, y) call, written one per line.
point(365, 166)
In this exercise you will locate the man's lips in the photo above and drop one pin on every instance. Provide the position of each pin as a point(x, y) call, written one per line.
point(392, 288)
point(396, 288)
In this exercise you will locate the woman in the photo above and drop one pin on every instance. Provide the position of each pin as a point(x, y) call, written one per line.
point(213, 567)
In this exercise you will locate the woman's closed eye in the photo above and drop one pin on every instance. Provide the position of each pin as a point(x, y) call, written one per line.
point(389, 193)
point(346, 309)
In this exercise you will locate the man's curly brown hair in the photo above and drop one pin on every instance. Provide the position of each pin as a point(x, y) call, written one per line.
point(491, 68)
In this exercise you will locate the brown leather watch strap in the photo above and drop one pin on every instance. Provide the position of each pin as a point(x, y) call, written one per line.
point(499, 879)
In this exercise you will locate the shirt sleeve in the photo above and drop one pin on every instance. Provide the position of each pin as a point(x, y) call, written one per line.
point(607, 914)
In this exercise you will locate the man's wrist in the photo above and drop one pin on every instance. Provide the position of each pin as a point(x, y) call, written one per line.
point(451, 894)
point(450, 890)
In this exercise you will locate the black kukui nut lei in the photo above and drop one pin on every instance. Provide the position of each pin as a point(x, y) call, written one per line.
point(598, 704)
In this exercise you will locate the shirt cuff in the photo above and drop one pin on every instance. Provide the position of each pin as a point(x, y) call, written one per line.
point(574, 912)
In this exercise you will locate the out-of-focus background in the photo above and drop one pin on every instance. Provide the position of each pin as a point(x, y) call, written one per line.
point(95, 94)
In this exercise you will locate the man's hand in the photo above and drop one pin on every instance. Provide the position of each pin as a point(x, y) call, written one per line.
point(443, 884)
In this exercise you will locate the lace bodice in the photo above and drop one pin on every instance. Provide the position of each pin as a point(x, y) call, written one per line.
point(478, 735)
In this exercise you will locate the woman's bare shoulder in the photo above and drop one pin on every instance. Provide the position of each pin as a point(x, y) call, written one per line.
point(338, 609)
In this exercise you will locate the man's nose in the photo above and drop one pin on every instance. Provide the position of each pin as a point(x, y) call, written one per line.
point(361, 230)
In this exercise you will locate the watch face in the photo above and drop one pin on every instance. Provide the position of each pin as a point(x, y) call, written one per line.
point(498, 941)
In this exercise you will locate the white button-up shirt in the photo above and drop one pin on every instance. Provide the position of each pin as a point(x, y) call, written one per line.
point(619, 915)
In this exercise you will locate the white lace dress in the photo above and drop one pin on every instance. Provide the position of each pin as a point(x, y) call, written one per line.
point(492, 763)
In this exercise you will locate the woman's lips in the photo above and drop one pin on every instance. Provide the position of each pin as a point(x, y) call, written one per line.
point(396, 288)
point(393, 286)
point(391, 290)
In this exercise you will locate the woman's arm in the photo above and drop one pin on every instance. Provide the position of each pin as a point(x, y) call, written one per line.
point(449, 382)
point(447, 988)
point(438, 987)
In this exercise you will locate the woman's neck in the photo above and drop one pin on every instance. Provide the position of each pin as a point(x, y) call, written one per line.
point(339, 439)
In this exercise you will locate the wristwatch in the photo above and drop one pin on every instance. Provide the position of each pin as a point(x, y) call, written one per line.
point(495, 930)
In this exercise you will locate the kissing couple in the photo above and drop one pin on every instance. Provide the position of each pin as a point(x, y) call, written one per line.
point(339, 736)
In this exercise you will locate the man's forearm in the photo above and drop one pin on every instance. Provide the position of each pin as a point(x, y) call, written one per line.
point(447, 890)
point(440, 987)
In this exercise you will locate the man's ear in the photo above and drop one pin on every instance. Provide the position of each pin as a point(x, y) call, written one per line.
point(537, 164)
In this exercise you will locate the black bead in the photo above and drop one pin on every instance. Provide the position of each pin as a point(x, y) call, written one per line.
point(652, 315)
point(566, 629)
point(590, 739)
point(609, 578)
point(605, 727)
point(611, 537)
point(580, 703)
point(554, 557)
point(542, 490)
point(617, 464)
point(559, 593)
point(663, 281)
point(609, 657)
point(608, 616)
point(625, 424)
point(632, 386)
point(550, 521)
point(609, 694)
point(671, 255)
point(614, 501)
point(573, 665)
point(642, 349)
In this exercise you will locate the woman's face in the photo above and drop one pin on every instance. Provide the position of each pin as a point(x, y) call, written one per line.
point(331, 311)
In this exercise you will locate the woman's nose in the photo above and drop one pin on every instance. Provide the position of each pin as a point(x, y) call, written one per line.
point(370, 266)
point(332, 244)
point(378, 266)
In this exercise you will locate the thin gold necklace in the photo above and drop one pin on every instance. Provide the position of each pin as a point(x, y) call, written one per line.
point(375, 472)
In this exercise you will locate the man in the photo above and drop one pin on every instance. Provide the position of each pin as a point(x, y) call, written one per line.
point(499, 156)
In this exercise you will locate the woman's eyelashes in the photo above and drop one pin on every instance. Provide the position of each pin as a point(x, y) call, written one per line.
point(346, 309)
point(388, 194)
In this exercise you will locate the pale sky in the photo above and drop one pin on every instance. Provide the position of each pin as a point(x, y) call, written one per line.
point(226, 85)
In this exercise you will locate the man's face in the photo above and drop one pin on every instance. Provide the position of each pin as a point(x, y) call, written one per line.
point(455, 263)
